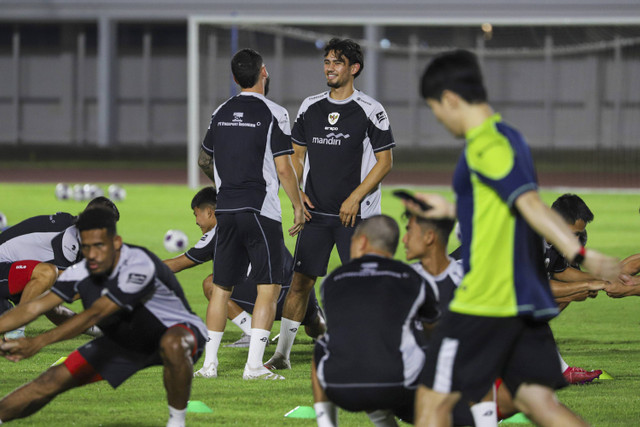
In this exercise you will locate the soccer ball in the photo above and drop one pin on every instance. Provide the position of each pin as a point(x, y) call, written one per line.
point(78, 193)
point(175, 241)
point(3, 221)
point(63, 191)
point(91, 191)
point(117, 193)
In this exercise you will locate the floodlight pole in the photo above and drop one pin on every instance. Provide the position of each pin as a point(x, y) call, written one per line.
point(193, 107)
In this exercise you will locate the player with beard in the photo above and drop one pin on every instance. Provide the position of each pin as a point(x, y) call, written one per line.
point(342, 142)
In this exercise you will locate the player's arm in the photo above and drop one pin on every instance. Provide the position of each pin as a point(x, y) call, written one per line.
point(631, 264)
point(571, 274)
point(179, 263)
point(289, 181)
point(25, 313)
point(298, 158)
point(553, 229)
point(575, 291)
point(350, 207)
point(625, 287)
point(440, 207)
point(26, 347)
point(205, 161)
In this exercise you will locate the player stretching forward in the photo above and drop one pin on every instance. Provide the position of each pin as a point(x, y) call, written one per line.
point(500, 214)
point(248, 141)
point(139, 306)
point(343, 141)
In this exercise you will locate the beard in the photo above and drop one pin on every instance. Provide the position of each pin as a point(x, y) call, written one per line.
point(266, 86)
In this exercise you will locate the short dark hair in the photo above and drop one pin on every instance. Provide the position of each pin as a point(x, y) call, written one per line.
point(382, 231)
point(457, 71)
point(442, 226)
point(104, 202)
point(245, 66)
point(97, 218)
point(572, 208)
point(206, 196)
point(347, 48)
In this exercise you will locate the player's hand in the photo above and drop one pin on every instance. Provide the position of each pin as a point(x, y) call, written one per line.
point(349, 210)
point(618, 289)
point(440, 207)
point(298, 221)
point(603, 266)
point(306, 202)
point(16, 350)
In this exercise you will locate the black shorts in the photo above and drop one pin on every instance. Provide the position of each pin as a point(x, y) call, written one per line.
point(396, 398)
point(244, 238)
point(316, 240)
point(116, 364)
point(245, 295)
point(468, 353)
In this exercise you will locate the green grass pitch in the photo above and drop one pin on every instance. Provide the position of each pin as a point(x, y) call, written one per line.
point(600, 333)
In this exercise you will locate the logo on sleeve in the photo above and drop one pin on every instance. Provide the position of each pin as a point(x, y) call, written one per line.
point(136, 278)
point(381, 116)
point(333, 118)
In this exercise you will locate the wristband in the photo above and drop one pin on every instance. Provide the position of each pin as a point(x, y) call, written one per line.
point(579, 257)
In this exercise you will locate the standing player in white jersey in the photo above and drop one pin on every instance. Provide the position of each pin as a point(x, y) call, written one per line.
point(249, 146)
point(342, 141)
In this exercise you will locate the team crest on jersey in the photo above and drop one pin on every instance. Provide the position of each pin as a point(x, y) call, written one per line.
point(237, 116)
point(333, 118)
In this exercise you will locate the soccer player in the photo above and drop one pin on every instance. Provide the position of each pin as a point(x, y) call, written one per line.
point(139, 306)
point(505, 287)
point(371, 356)
point(33, 252)
point(246, 152)
point(342, 142)
point(244, 295)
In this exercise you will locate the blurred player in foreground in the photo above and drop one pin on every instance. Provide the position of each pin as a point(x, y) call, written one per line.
point(497, 325)
point(371, 356)
point(244, 294)
point(139, 306)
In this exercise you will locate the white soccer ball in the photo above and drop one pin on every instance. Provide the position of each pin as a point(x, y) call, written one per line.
point(78, 193)
point(63, 191)
point(176, 241)
point(117, 193)
point(3, 221)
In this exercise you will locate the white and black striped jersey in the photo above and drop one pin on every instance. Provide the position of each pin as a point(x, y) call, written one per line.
point(203, 250)
point(46, 238)
point(246, 133)
point(149, 294)
point(446, 282)
point(341, 138)
point(371, 306)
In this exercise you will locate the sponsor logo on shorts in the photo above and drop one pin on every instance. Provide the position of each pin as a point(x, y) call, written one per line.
point(136, 278)
point(333, 118)
point(21, 267)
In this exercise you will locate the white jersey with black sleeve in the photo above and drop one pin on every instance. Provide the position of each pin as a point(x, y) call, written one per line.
point(341, 138)
point(203, 250)
point(446, 282)
point(148, 293)
point(246, 133)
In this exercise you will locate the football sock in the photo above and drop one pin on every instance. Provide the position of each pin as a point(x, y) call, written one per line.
point(243, 321)
point(259, 338)
point(563, 365)
point(382, 418)
point(211, 348)
point(326, 414)
point(485, 414)
point(288, 331)
point(176, 417)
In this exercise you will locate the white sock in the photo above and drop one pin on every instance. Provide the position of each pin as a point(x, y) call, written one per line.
point(485, 414)
point(326, 414)
point(563, 365)
point(176, 417)
point(258, 343)
point(288, 331)
point(243, 321)
point(382, 418)
point(211, 348)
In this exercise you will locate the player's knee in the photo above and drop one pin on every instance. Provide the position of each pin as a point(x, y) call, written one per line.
point(46, 273)
point(302, 283)
point(176, 344)
point(207, 287)
point(533, 398)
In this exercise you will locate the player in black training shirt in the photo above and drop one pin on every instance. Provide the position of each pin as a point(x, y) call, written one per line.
point(371, 355)
point(342, 141)
point(249, 144)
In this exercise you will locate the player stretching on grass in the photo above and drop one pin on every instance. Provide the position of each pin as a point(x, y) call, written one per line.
point(505, 287)
point(244, 295)
point(343, 142)
point(246, 151)
point(139, 306)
